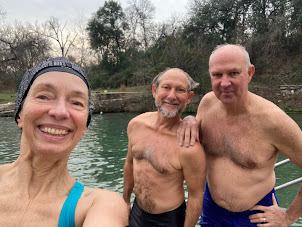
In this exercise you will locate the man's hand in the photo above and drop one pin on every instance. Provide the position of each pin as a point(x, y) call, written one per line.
point(273, 216)
point(188, 131)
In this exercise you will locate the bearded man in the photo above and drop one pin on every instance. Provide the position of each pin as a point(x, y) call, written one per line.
point(156, 166)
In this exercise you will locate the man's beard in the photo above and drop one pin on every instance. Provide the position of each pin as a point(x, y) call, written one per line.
point(167, 114)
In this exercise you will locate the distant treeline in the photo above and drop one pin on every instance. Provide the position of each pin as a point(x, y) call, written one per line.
point(127, 47)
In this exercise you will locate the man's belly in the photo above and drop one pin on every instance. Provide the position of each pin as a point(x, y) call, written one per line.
point(237, 189)
point(157, 192)
point(155, 205)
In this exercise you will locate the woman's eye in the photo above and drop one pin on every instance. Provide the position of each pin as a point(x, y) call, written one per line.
point(42, 97)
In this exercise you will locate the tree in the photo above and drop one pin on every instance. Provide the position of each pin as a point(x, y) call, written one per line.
point(20, 49)
point(140, 15)
point(82, 50)
point(58, 32)
point(106, 32)
point(215, 21)
point(2, 13)
point(295, 33)
point(107, 26)
point(269, 26)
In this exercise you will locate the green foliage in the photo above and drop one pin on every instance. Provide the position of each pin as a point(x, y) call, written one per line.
point(271, 30)
point(107, 26)
point(106, 31)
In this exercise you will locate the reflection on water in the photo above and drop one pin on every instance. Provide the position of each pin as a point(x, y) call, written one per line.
point(98, 159)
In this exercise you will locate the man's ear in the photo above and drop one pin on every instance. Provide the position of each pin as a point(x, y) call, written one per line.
point(190, 97)
point(251, 72)
point(153, 90)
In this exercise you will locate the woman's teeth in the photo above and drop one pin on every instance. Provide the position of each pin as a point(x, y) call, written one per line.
point(54, 132)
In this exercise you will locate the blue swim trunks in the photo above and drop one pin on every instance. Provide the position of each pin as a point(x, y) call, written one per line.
point(141, 218)
point(214, 215)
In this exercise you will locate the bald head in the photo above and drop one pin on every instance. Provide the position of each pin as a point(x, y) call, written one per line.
point(231, 50)
point(191, 83)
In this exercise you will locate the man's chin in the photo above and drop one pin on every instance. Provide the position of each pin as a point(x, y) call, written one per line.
point(168, 114)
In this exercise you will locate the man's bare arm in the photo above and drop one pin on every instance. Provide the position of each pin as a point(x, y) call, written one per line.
point(128, 177)
point(287, 137)
point(194, 168)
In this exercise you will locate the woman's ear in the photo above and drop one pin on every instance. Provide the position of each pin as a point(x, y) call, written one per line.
point(19, 120)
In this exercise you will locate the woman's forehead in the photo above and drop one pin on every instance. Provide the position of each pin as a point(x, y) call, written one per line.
point(60, 80)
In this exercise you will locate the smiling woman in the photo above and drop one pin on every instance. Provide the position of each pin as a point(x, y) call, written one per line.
point(53, 110)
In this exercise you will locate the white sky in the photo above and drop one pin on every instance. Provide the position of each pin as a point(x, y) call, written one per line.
point(41, 10)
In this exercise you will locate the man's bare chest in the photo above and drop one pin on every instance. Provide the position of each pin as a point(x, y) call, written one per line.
point(243, 144)
point(159, 151)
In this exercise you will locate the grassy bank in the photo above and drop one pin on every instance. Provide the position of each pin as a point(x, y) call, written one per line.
point(7, 97)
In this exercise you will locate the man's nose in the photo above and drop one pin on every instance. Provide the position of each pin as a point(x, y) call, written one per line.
point(172, 94)
point(225, 81)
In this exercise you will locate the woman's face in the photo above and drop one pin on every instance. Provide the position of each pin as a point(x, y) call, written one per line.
point(54, 115)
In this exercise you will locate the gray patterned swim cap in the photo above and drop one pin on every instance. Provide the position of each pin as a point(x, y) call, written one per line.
point(60, 64)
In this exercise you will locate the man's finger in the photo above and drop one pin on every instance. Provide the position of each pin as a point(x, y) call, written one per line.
point(187, 137)
point(258, 207)
point(180, 135)
point(274, 199)
point(193, 137)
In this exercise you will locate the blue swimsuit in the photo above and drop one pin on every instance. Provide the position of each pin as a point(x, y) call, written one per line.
point(68, 209)
point(214, 215)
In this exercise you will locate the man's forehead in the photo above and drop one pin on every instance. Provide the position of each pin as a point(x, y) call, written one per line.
point(174, 73)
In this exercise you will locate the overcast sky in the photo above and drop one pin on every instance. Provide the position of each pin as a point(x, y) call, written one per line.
point(41, 10)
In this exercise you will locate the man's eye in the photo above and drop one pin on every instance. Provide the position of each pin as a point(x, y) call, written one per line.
point(216, 75)
point(78, 104)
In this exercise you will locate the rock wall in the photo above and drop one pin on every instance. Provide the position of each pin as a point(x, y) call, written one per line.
point(122, 102)
point(288, 97)
point(7, 110)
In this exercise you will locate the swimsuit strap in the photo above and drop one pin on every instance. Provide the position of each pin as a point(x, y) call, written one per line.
point(68, 209)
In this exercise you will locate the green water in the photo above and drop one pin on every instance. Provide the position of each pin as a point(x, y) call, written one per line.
point(98, 159)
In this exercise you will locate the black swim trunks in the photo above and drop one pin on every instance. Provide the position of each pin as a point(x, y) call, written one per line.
point(141, 218)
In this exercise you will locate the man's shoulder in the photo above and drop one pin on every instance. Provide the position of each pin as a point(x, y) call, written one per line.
point(207, 104)
point(141, 119)
point(209, 99)
point(269, 114)
point(266, 108)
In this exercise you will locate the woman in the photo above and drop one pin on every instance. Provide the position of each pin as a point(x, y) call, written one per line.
point(53, 111)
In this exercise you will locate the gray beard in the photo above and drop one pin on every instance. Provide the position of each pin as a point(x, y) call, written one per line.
point(167, 114)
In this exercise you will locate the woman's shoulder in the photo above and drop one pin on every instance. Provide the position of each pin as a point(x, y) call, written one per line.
point(106, 206)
